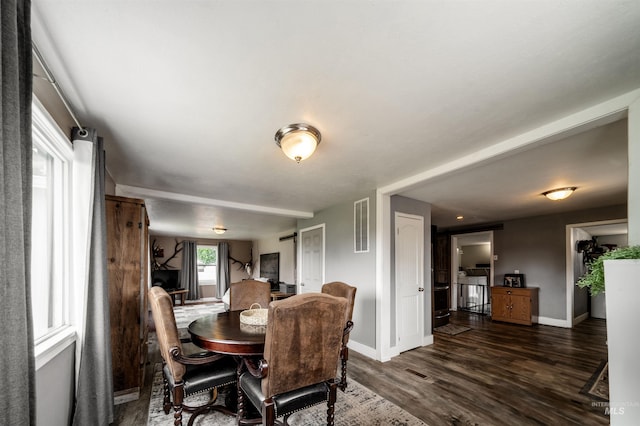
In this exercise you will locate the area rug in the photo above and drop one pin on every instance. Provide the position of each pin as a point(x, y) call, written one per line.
point(598, 384)
point(358, 406)
point(451, 329)
point(188, 313)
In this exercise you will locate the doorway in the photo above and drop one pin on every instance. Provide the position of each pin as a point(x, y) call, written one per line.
point(604, 234)
point(472, 272)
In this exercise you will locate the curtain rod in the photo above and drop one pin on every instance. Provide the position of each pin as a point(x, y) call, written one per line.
point(51, 79)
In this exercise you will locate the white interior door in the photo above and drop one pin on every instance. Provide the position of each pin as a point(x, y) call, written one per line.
point(409, 264)
point(312, 259)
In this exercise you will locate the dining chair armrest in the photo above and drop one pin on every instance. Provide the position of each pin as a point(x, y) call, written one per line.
point(198, 359)
point(259, 369)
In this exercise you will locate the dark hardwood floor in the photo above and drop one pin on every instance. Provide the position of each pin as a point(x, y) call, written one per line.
point(494, 374)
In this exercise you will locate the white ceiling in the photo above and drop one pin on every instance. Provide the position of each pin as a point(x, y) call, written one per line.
point(188, 96)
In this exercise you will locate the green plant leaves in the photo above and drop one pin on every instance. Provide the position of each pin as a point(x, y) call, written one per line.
point(594, 278)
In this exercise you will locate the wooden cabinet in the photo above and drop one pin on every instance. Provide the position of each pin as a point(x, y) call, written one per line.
point(516, 305)
point(128, 268)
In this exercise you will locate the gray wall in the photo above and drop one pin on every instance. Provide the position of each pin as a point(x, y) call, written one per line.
point(536, 247)
point(419, 208)
point(356, 269)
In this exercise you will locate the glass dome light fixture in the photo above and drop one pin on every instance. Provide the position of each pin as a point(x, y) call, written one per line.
point(559, 193)
point(219, 229)
point(298, 141)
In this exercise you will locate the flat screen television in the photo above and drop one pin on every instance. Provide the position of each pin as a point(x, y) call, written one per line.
point(270, 267)
point(166, 278)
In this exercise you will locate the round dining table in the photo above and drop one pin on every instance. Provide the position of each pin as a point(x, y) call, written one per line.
point(224, 333)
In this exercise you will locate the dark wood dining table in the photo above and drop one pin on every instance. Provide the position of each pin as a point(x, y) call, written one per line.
point(225, 334)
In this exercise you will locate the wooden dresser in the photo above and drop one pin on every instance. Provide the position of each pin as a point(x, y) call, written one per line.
point(128, 267)
point(516, 305)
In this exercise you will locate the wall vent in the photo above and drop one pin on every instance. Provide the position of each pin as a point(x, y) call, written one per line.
point(361, 226)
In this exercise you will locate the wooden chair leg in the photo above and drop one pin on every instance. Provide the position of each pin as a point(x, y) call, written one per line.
point(344, 356)
point(331, 402)
point(268, 412)
point(166, 403)
point(178, 397)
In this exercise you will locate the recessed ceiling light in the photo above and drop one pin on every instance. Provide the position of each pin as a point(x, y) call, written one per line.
point(459, 217)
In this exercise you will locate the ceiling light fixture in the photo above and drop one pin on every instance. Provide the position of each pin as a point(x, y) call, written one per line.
point(298, 141)
point(219, 229)
point(559, 193)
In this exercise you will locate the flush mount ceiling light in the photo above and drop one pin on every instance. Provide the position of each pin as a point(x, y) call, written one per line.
point(298, 141)
point(219, 229)
point(559, 193)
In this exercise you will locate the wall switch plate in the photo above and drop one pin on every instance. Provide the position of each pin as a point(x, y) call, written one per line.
point(517, 271)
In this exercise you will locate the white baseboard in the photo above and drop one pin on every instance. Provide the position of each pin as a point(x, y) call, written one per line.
point(427, 340)
point(362, 349)
point(552, 321)
point(372, 353)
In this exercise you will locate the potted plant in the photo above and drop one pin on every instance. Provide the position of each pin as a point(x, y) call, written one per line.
point(594, 278)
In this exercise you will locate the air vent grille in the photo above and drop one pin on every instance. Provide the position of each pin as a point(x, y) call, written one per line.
point(361, 226)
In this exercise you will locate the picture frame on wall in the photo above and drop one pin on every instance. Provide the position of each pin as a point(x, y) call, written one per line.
point(513, 280)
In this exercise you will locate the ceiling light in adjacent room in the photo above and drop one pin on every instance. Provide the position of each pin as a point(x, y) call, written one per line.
point(219, 229)
point(559, 193)
point(298, 141)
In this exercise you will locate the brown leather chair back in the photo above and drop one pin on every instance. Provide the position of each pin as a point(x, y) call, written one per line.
point(303, 341)
point(340, 289)
point(245, 293)
point(166, 329)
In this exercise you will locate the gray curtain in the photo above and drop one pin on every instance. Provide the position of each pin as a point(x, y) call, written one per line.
point(17, 363)
point(189, 278)
point(94, 394)
point(224, 274)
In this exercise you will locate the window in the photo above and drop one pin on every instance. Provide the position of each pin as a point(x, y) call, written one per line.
point(50, 236)
point(207, 264)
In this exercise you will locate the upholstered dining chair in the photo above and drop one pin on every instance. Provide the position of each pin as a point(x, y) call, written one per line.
point(243, 294)
point(298, 370)
point(340, 289)
point(187, 375)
